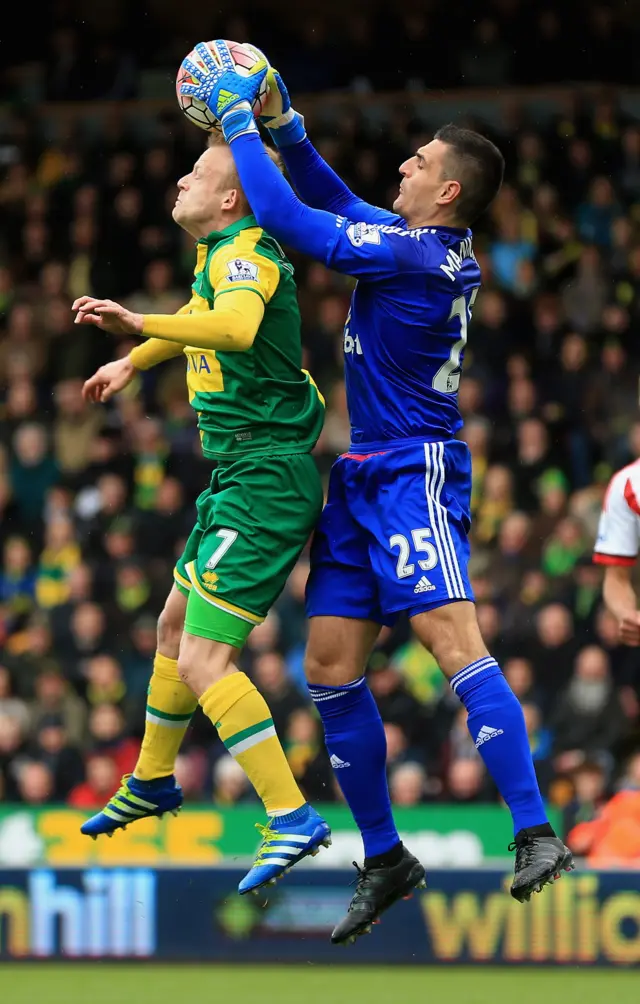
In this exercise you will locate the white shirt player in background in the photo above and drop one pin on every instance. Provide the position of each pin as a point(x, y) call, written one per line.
point(617, 549)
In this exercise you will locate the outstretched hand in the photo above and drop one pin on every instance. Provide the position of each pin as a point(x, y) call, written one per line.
point(218, 85)
point(110, 379)
point(278, 103)
point(108, 316)
point(284, 123)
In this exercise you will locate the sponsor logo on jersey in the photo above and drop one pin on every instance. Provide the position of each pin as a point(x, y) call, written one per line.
point(241, 270)
point(363, 233)
point(384, 228)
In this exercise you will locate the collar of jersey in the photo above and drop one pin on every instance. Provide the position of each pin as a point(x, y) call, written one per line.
point(230, 231)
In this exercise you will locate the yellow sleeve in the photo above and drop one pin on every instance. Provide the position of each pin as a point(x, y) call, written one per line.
point(156, 350)
point(243, 282)
point(231, 327)
point(238, 266)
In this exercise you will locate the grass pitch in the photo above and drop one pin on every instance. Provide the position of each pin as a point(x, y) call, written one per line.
point(69, 983)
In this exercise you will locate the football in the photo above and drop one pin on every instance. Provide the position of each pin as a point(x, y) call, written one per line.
point(244, 59)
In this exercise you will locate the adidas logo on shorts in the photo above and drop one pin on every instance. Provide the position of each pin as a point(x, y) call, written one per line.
point(424, 586)
point(486, 733)
point(336, 762)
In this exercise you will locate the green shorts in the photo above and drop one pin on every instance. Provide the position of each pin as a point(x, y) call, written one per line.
point(253, 522)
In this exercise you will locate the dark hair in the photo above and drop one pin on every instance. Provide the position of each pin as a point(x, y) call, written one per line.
point(479, 167)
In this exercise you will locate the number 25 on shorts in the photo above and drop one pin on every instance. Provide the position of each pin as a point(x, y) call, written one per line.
point(421, 545)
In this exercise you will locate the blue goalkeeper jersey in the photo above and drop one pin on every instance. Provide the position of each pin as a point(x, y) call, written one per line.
point(406, 330)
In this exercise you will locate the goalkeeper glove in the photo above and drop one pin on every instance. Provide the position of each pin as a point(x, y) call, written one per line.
point(226, 94)
point(285, 125)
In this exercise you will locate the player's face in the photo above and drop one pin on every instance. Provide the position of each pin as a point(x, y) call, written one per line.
point(204, 192)
point(424, 188)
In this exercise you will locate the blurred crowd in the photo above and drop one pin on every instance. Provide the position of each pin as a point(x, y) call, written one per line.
point(114, 50)
point(96, 502)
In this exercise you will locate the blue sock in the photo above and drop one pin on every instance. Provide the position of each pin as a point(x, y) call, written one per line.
point(357, 746)
point(497, 726)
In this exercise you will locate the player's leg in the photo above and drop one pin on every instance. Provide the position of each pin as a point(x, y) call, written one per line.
point(170, 703)
point(337, 652)
point(152, 788)
point(421, 557)
point(345, 619)
point(496, 723)
point(256, 522)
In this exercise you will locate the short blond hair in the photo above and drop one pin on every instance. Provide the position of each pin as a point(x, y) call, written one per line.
point(217, 139)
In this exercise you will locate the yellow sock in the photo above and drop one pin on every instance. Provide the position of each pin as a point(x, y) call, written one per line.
point(243, 720)
point(170, 705)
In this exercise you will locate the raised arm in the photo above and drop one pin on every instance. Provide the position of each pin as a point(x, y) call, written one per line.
point(316, 182)
point(319, 186)
point(353, 248)
point(346, 245)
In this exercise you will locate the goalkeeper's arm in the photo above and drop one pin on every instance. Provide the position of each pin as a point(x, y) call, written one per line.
point(352, 247)
point(318, 184)
point(320, 187)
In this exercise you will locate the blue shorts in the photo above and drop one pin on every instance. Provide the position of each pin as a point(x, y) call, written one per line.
point(393, 536)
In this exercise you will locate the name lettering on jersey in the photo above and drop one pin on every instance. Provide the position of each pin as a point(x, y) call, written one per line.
point(241, 270)
point(455, 259)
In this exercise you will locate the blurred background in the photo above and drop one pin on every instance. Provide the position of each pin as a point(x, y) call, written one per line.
point(96, 502)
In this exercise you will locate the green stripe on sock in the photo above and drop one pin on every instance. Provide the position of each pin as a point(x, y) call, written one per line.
point(246, 733)
point(167, 717)
point(254, 740)
point(165, 723)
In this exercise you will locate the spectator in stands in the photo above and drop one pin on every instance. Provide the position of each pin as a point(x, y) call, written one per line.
point(230, 783)
point(17, 578)
point(466, 781)
point(612, 837)
point(51, 747)
point(589, 794)
point(54, 696)
point(107, 735)
point(101, 781)
point(35, 783)
point(588, 719)
point(12, 751)
point(33, 471)
point(408, 784)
